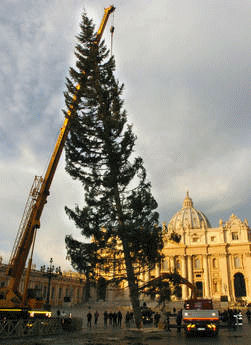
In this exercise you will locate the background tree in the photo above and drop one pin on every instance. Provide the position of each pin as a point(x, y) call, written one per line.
point(158, 289)
point(100, 154)
point(84, 259)
point(166, 285)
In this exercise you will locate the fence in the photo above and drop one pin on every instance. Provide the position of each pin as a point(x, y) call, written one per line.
point(30, 327)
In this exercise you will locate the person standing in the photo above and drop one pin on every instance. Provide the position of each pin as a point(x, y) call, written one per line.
point(127, 319)
point(110, 318)
point(96, 315)
point(105, 318)
point(114, 319)
point(167, 327)
point(179, 320)
point(89, 319)
point(156, 319)
point(119, 318)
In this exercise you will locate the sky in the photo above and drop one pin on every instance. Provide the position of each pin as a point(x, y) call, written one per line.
point(186, 70)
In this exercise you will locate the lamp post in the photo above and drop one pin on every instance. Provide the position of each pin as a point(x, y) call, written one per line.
point(49, 273)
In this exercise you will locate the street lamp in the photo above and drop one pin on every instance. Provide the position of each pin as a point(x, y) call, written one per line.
point(49, 273)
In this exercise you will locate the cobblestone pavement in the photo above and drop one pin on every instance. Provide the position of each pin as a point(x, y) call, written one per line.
point(132, 336)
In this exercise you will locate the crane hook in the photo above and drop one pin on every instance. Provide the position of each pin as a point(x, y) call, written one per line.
point(112, 28)
point(112, 31)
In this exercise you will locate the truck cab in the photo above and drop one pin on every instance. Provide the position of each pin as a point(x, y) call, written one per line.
point(200, 317)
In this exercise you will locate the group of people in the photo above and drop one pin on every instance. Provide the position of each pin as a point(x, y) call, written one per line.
point(66, 320)
point(166, 320)
point(233, 317)
point(112, 319)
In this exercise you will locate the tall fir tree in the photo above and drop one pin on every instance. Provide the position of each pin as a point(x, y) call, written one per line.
point(100, 153)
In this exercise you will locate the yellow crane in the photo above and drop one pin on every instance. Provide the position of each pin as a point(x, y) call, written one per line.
point(10, 297)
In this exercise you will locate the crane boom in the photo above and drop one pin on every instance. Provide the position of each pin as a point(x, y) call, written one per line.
point(10, 296)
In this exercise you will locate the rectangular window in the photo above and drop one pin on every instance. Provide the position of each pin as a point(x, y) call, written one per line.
point(215, 286)
point(52, 292)
point(237, 262)
point(60, 292)
point(199, 286)
point(45, 291)
point(197, 263)
point(235, 236)
point(165, 265)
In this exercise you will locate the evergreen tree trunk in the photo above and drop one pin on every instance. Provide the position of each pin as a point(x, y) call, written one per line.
point(87, 289)
point(133, 285)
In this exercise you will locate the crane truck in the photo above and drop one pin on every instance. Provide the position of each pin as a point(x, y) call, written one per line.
point(198, 314)
point(13, 303)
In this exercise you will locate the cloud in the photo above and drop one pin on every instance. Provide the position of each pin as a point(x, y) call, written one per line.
point(186, 69)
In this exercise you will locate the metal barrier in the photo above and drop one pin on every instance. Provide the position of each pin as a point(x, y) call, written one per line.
point(30, 327)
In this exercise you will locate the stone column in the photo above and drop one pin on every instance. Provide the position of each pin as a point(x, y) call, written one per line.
point(206, 281)
point(246, 264)
point(184, 275)
point(189, 268)
point(172, 263)
point(224, 267)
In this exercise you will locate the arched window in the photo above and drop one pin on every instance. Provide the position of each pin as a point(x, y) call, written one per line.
point(239, 285)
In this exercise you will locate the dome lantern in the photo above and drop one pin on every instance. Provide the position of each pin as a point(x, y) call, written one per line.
point(187, 203)
point(188, 217)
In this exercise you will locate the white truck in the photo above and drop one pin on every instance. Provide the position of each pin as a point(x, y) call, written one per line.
point(200, 317)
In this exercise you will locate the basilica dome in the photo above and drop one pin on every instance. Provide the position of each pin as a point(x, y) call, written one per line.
point(188, 217)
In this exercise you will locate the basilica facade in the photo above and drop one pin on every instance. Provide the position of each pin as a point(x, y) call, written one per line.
point(215, 260)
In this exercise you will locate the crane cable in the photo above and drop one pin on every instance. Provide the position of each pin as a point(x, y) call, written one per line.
point(112, 31)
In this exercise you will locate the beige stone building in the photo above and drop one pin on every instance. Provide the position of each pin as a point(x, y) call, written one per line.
point(216, 260)
point(66, 289)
